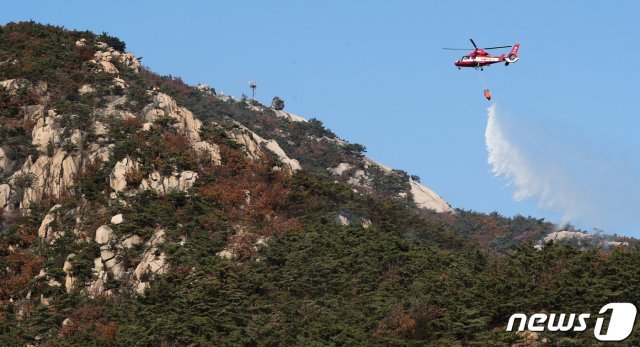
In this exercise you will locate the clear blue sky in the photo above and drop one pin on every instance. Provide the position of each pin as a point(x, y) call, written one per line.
point(374, 72)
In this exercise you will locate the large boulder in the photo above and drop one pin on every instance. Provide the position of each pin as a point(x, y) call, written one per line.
point(104, 235)
point(117, 219)
point(118, 177)
point(277, 104)
point(205, 89)
point(46, 231)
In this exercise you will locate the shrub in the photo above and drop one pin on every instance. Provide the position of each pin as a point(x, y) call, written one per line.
point(112, 41)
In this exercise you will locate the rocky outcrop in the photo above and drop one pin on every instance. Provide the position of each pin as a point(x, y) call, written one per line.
point(105, 59)
point(47, 175)
point(616, 243)
point(163, 185)
point(109, 264)
point(100, 128)
point(530, 339)
point(6, 193)
point(341, 168)
point(188, 125)
point(104, 235)
point(178, 181)
point(117, 219)
point(14, 85)
point(113, 107)
point(362, 175)
point(211, 151)
point(566, 234)
point(128, 59)
point(86, 89)
point(120, 83)
point(152, 263)
point(205, 89)
point(97, 153)
point(46, 230)
point(130, 241)
point(426, 198)
point(273, 146)
point(368, 162)
point(249, 141)
point(118, 176)
point(45, 227)
point(46, 132)
point(6, 163)
point(165, 106)
point(32, 112)
point(277, 104)
point(69, 282)
point(106, 264)
point(252, 144)
point(290, 116)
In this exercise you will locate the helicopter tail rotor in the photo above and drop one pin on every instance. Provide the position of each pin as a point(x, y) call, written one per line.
point(513, 55)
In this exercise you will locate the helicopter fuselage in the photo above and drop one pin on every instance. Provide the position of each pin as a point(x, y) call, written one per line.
point(477, 60)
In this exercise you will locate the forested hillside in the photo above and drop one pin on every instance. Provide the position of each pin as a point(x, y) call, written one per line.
point(139, 210)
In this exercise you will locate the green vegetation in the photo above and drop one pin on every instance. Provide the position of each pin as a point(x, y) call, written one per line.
point(403, 281)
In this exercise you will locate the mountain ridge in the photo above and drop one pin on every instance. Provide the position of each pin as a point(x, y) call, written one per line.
point(139, 210)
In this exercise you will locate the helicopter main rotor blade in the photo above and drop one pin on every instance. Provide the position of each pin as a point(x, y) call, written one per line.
point(473, 43)
point(497, 47)
point(458, 49)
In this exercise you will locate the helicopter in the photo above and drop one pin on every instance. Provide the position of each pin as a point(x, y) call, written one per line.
point(479, 58)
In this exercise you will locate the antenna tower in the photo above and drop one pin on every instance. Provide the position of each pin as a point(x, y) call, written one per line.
point(252, 85)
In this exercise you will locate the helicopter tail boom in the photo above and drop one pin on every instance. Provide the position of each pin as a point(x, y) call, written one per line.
point(513, 55)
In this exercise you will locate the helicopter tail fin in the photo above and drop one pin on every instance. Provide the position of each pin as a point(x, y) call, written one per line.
point(513, 55)
point(514, 50)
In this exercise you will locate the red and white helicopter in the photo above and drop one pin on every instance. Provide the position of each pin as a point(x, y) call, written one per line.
point(479, 58)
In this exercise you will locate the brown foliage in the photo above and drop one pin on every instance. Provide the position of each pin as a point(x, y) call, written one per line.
point(251, 194)
point(134, 178)
point(176, 142)
point(84, 52)
point(12, 124)
point(22, 266)
point(169, 84)
point(89, 319)
point(130, 125)
point(397, 322)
